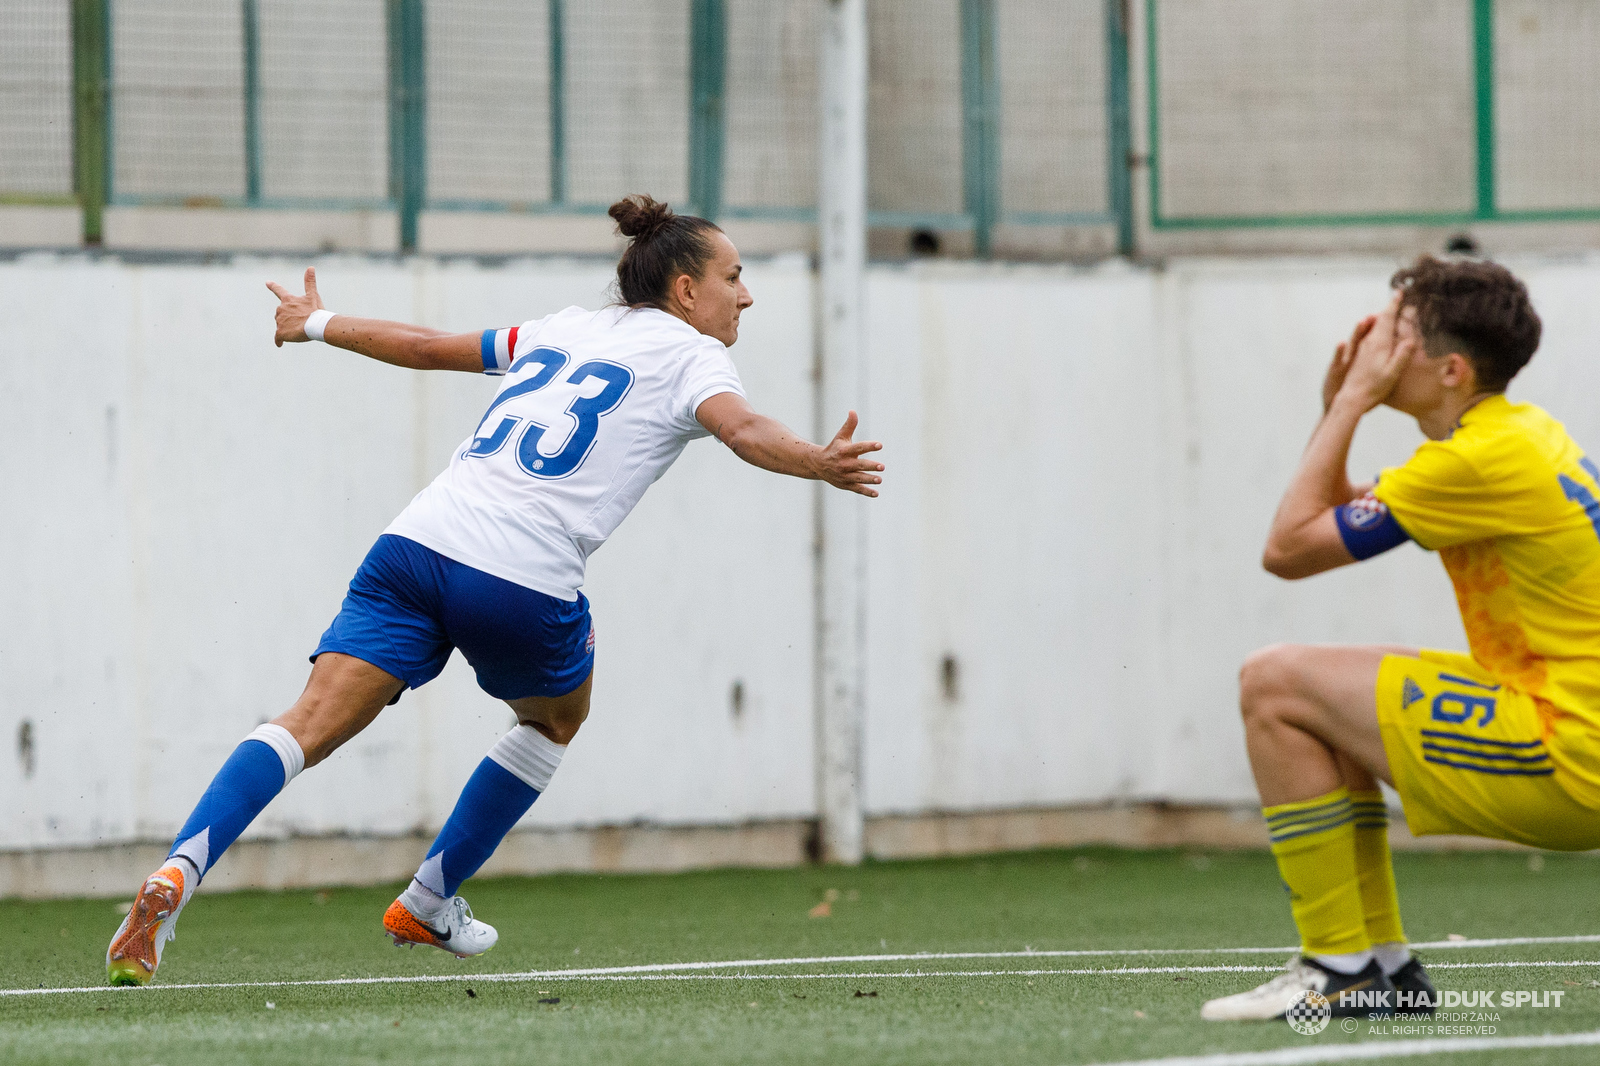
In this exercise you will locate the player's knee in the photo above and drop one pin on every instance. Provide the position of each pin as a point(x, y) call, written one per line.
point(1267, 675)
point(559, 728)
point(558, 732)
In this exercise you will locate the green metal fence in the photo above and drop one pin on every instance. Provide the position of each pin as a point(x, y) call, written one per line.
point(984, 114)
point(1311, 113)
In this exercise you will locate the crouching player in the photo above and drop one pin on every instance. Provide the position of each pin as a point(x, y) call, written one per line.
point(1503, 742)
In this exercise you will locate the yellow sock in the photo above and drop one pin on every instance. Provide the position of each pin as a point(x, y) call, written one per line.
point(1313, 841)
point(1380, 902)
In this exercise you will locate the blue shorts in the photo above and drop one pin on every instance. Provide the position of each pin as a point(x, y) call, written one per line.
point(408, 606)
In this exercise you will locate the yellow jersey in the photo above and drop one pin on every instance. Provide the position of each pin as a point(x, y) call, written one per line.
point(1512, 506)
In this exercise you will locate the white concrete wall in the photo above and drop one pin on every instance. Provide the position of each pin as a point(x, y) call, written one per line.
point(1082, 464)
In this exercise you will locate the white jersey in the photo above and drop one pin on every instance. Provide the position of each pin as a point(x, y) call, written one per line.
point(594, 407)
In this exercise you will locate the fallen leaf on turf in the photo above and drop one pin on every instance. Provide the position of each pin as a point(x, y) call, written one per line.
point(1574, 984)
point(832, 895)
point(861, 995)
point(552, 999)
point(1180, 977)
point(797, 995)
point(271, 1005)
point(1454, 936)
point(123, 908)
point(753, 1003)
point(1139, 1014)
point(821, 910)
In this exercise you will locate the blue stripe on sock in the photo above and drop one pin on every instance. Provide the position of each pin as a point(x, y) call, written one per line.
point(489, 806)
point(243, 787)
point(1278, 838)
point(1301, 812)
point(1277, 825)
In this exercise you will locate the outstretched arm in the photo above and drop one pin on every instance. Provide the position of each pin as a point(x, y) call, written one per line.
point(1305, 537)
point(769, 444)
point(417, 347)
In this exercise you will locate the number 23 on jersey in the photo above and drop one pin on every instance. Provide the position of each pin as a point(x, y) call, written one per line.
point(532, 427)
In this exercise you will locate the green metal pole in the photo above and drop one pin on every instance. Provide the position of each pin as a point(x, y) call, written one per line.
point(558, 104)
point(408, 105)
point(980, 125)
point(91, 112)
point(1153, 94)
point(1119, 125)
point(1483, 77)
point(708, 55)
point(250, 21)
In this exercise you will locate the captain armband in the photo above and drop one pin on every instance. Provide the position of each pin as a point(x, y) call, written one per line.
point(1367, 528)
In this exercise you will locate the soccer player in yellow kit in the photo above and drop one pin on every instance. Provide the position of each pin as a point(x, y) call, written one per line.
point(1503, 742)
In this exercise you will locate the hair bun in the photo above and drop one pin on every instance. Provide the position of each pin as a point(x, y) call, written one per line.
point(639, 216)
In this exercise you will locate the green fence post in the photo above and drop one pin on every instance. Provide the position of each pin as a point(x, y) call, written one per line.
point(1119, 125)
point(980, 121)
point(558, 104)
point(249, 18)
point(91, 112)
point(408, 106)
point(708, 58)
point(1483, 79)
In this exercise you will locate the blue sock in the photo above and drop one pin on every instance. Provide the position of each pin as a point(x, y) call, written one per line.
point(256, 771)
point(489, 806)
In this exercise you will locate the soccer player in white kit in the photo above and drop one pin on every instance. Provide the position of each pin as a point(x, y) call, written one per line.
point(489, 558)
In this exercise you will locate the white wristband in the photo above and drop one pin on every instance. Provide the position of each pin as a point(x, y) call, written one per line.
point(317, 324)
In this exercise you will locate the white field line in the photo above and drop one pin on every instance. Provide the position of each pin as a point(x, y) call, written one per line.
point(1303, 1056)
point(694, 971)
point(824, 960)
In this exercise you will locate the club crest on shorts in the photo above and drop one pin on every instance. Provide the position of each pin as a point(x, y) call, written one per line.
point(588, 645)
point(1308, 1013)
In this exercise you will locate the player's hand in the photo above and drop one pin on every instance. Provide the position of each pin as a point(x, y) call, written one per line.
point(1379, 361)
point(1343, 355)
point(294, 310)
point(842, 464)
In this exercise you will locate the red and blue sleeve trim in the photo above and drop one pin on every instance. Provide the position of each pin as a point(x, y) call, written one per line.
point(496, 347)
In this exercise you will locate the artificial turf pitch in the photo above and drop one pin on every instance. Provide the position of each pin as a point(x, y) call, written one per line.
point(919, 1010)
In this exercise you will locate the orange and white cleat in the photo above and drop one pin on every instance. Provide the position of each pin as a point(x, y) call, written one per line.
point(135, 951)
point(455, 931)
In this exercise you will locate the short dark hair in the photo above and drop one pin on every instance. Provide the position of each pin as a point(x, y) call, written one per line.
point(1476, 308)
point(664, 245)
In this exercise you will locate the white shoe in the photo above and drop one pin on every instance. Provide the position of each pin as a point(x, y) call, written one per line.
point(455, 931)
point(1273, 999)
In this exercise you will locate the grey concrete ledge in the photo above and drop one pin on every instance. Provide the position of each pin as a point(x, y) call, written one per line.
point(303, 862)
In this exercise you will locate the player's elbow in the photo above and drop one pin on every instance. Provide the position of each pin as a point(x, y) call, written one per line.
point(428, 353)
point(1279, 561)
point(740, 434)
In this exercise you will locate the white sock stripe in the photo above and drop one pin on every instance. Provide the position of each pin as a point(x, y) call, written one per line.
point(528, 754)
point(281, 741)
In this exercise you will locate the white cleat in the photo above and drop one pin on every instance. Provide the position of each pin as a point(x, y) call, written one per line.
point(455, 931)
point(1273, 999)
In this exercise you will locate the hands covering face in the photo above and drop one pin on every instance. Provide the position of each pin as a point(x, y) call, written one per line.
point(1366, 368)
